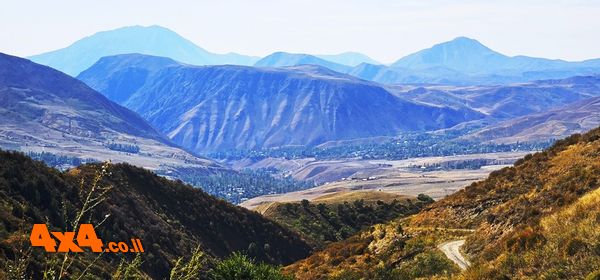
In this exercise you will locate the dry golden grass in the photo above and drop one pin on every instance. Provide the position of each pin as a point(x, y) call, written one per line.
point(567, 246)
point(381, 247)
point(539, 219)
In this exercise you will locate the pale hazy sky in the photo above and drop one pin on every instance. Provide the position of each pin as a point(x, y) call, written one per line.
point(383, 29)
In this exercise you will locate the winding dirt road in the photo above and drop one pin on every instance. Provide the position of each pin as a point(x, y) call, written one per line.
point(451, 250)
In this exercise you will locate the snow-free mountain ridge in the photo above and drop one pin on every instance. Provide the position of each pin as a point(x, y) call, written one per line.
point(210, 108)
point(151, 40)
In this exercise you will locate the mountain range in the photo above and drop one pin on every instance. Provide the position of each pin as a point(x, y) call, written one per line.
point(208, 108)
point(160, 41)
point(558, 123)
point(522, 112)
point(461, 61)
point(537, 219)
point(348, 58)
point(152, 40)
point(469, 56)
point(283, 59)
point(44, 110)
point(506, 101)
point(343, 62)
point(214, 108)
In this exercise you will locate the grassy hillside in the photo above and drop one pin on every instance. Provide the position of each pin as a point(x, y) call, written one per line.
point(548, 179)
point(384, 251)
point(517, 198)
point(537, 219)
point(171, 218)
point(336, 217)
point(563, 245)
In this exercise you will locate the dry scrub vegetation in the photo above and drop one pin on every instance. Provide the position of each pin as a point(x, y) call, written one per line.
point(536, 220)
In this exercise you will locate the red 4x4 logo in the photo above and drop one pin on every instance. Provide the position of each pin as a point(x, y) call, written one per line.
point(86, 237)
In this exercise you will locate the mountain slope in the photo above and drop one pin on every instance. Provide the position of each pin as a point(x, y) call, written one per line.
point(152, 40)
point(171, 219)
point(281, 59)
point(469, 207)
point(510, 210)
point(236, 107)
point(462, 54)
point(471, 57)
point(46, 110)
point(348, 58)
point(507, 101)
point(395, 75)
point(337, 216)
point(563, 246)
point(535, 220)
point(558, 123)
point(465, 61)
point(126, 74)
